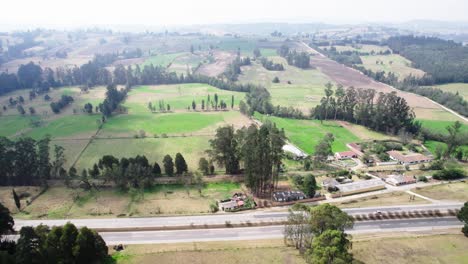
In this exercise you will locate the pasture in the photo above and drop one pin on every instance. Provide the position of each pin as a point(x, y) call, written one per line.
point(163, 60)
point(306, 134)
point(63, 203)
point(457, 191)
point(460, 88)
point(391, 63)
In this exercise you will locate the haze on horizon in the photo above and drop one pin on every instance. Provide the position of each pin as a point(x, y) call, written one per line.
point(63, 14)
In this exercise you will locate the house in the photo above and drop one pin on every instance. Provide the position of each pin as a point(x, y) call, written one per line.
point(397, 180)
point(359, 187)
point(288, 196)
point(356, 148)
point(330, 182)
point(345, 155)
point(409, 159)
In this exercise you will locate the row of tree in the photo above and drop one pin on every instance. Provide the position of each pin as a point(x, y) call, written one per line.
point(271, 66)
point(28, 162)
point(258, 149)
point(61, 244)
point(60, 104)
point(298, 59)
point(384, 112)
point(234, 68)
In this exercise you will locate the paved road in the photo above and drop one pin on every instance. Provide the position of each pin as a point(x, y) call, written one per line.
point(269, 232)
point(217, 219)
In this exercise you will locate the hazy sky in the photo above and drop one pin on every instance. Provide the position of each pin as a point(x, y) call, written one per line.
point(182, 12)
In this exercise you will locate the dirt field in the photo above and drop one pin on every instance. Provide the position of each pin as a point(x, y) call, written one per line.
point(451, 191)
point(386, 199)
point(222, 60)
point(227, 252)
point(421, 249)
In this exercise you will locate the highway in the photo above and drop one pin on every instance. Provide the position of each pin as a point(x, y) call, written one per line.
point(251, 217)
point(269, 232)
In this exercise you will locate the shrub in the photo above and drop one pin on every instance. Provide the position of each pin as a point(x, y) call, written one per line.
point(422, 178)
point(214, 207)
point(449, 174)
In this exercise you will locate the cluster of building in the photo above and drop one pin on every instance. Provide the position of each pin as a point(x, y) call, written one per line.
point(288, 196)
point(408, 159)
point(344, 188)
point(399, 179)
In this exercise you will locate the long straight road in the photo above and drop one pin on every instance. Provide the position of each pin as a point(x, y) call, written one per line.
point(253, 217)
point(269, 232)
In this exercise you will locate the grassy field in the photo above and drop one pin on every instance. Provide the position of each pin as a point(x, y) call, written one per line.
point(391, 63)
point(359, 48)
point(153, 148)
point(363, 132)
point(72, 126)
point(178, 96)
point(451, 249)
point(14, 125)
point(460, 88)
point(440, 126)
point(162, 59)
point(307, 133)
point(450, 191)
point(61, 202)
point(304, 92)
point(257, 251)
point(386, 199)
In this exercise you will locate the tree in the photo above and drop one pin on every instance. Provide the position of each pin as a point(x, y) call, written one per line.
point(32, 111)
point(232, 101)
point(203, 166)
point(20, 109)
point(180, 164)
point(88, 108)
point(224, 149)
point(194, 105)
point(276, 80)
point(256, 52)
point(329, 217)
point(168, 165)
point(453, 139)
point(85, 250)
point(17, 199)
point(324, 148)
point(330, 247)
point(67, 242)
point(297, 229)
point(6, 221)
point(28, 248)
point(309, 185)
point(463, 217)
point(156, 170)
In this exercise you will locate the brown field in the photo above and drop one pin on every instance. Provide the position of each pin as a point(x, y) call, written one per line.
point(222, 60)
point(421, 249)
point(385, 199)
point(257, 251)
point(6, 196)
point(457, 191)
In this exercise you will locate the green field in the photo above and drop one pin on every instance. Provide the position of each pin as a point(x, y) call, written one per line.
point(162, 59)
point(438, 126)
point(72, 126)
point(460, 88)
point(154, 149)
point(359, 48)
point(13, 125)
point(307, 133)
point(391, 63)
point(304, 92)
point(179, 96)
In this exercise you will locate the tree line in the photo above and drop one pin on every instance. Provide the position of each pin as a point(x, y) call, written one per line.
point(258, 149)
point(385, 112)
point(41, 244)
point(234, 68)
point(270, 65)
point(298, 59)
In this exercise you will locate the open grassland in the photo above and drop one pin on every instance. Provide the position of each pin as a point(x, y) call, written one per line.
point(73, 126)
point(438, 126)
point(25, 193)
point(435, 114)
point(421, 249)
point(304, 92)
point(256, 251)
point(163, 60)
point(187, 62)
point(11, 126)
point(245, 45)
point(391, 63)
point(460, 88)
point(385, 199)
point(457, 191)
point(153, 148)
point(178, 96)
point(307, 133)
point(62, 202)
point(363, 132)
point(359, 48)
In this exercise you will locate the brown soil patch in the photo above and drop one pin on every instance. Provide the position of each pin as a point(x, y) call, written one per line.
point(222, 60)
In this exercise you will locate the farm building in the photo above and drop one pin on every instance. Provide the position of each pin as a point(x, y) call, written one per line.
point(345, 155)
point(399, 179)
point(409, 159)
point(288, 196)
point(359, 187)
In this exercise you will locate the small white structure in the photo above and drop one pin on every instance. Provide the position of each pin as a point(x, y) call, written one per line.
point(397, 180)
point(295, 150)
